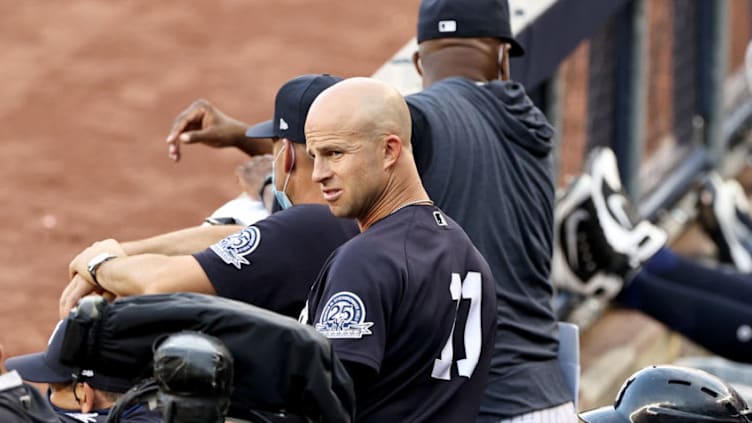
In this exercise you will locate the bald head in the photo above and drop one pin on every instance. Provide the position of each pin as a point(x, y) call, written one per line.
point(363, 106)
point(478, 59)
point(358, 133)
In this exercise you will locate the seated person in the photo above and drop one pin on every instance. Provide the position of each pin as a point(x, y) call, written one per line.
point(83, 396)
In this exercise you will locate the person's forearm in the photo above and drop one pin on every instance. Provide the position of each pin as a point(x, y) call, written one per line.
point(254, 147)
point(181, 242)
point(151, 274)
point(250, 146)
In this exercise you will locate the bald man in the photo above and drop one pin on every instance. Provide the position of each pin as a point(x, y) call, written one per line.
point(409, 304)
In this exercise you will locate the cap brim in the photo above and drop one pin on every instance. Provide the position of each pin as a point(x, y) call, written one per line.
point(35, 368)
point(261, 130)
point(602, 415)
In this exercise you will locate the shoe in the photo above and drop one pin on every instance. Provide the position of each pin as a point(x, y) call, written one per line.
point(583, 262)
point(625, 232)
point(724, 214)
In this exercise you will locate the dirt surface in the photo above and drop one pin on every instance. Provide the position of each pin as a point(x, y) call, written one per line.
point(88, 91)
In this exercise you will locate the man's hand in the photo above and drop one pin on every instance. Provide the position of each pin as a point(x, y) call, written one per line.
point(203, 123)
point(80, 264)
point(252, 173)
point(77, 289)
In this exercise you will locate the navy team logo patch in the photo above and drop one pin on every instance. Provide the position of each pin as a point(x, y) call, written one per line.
point(343, 317)
point(233, 249)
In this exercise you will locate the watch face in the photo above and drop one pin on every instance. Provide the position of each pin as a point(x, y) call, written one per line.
point(96, 262)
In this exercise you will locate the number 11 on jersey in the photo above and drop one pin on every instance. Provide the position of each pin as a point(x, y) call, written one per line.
point(469, 289)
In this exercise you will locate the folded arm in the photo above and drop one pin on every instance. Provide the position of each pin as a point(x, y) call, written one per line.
point(135, 275)
point(181, 242)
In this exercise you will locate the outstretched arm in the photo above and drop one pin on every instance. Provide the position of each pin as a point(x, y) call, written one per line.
point(180, 242)
point(135, 275)
point(203, 123)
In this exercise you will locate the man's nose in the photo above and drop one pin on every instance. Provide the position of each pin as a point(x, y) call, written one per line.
point(321, 171)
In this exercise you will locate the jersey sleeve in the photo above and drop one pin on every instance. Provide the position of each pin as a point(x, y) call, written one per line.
point(273, 263)
point(359, 296)
point(421, 138)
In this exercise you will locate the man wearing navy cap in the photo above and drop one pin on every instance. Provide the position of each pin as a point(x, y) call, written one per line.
point(76, 395)
point(484, 153)
point(271, 263)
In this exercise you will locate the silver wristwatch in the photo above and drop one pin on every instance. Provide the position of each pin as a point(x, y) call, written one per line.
point(97, 261)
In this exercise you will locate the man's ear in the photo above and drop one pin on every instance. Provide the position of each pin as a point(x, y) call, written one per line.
point(86, 397)
point(392, 150)
point(504, 73)
point(416, 62)
point(289, 155)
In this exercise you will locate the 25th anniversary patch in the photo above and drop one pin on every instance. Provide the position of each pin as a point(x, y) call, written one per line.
point(233, 249)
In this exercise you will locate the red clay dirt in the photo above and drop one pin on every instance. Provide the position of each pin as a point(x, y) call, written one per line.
point(88, 91)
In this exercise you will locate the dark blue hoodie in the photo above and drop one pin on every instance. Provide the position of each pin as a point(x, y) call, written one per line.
point(484, 154)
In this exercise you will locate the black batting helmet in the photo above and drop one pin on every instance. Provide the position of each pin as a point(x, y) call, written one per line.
point(672, 394)
point(194, 372)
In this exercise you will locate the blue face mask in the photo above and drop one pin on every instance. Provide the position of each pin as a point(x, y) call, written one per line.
point(282, 199)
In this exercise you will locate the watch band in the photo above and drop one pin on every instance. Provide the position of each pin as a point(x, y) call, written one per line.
point(94, 264)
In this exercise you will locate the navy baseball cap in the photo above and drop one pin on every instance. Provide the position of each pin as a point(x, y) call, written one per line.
point(291, 106)
point(45, 367)
point(466, 19)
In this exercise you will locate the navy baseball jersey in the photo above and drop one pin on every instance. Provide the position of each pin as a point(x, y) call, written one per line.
point(412, 299)
point(69, 416)
point(273, 263)
point(484, 154)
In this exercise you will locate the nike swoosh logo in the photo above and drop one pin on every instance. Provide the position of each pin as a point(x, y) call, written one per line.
point(570, 228)
point(616, 203)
